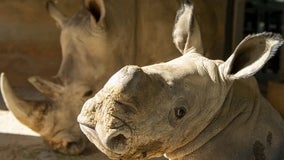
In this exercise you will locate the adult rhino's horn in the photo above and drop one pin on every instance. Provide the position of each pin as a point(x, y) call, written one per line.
point(30, 113)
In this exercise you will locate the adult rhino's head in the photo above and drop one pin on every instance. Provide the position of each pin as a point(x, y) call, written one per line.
point(144, 112)
point(51, 118)
point(83, 42)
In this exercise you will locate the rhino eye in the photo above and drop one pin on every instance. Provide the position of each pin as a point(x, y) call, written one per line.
point(88, 93)
point(180, 112)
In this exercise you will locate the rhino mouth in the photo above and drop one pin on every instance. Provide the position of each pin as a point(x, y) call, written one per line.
point(116, 140)
point(114, 144)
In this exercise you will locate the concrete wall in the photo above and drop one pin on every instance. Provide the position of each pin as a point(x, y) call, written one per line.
point(29, 39)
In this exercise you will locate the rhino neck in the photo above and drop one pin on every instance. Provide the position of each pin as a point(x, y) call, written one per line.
point(239, 106)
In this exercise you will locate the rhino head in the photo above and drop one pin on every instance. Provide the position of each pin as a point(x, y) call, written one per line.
point(145, 112)
point(83, 41)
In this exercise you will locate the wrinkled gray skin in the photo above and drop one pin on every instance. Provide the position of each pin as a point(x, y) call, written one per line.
point(97, 41)
point(189, 108)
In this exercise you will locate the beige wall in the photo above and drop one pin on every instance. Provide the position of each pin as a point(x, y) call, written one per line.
point(220, 8)
point(211, 17)
point(29, 39)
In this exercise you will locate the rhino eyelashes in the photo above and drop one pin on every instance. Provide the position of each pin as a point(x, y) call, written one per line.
point(180, 112)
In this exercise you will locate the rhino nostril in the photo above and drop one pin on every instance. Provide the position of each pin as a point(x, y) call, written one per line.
point(71, 145)
point(117, 143)
point(74, 147)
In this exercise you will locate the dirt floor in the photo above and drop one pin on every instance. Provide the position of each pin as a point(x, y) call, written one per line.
point(17, 142)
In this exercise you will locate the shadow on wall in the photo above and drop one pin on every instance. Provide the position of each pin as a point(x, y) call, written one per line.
point(2, 104)
point(29, 39)
point(28, 93)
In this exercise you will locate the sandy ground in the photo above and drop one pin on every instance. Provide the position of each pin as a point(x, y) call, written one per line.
point(17, 142)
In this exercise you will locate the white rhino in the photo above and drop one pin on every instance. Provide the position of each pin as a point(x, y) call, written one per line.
point(98, 40)
point(102, 37)
point(191, 107)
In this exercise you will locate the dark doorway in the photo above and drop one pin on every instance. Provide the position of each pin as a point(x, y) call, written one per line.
point(260, 16)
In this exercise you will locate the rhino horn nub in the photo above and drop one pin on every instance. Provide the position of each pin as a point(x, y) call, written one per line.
point(132, 81)
point(27, 112)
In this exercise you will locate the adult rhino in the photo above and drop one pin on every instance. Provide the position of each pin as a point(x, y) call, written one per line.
point(189, 108)
point(98, 40)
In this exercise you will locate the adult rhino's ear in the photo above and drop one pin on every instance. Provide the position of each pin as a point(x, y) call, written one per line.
point(97, 9)
point(186, 33)
point(48, 88)
point(251, 55)
point(59, 17)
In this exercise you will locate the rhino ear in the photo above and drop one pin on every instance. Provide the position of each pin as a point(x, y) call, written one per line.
point(55, 13)
point(251, 55)
point(97, 9)
point(186, 33)
point(48, 88)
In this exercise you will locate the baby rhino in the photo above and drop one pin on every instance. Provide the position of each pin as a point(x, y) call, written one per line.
point(189, 108)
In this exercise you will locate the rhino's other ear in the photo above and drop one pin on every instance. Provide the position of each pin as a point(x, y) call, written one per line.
point(48, 88)
point(97, 8)
point(251, 55)
point(55, 13)
point(186, 33)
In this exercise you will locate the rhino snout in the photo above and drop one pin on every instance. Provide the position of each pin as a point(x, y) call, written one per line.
point(117, 142)
point(116, 137)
